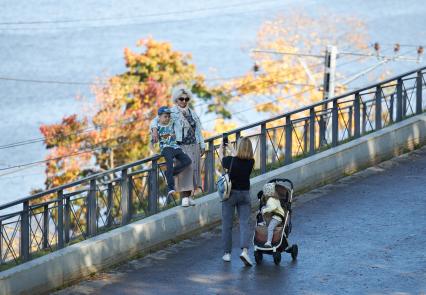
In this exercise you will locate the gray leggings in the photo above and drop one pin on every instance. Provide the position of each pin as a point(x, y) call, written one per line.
point(241, 201)
point(272, 225)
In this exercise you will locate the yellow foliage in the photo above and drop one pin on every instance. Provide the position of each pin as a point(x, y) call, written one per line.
point(283, 76)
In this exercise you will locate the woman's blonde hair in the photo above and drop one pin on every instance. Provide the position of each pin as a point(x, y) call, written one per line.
point(245, 149)
point(180, 90)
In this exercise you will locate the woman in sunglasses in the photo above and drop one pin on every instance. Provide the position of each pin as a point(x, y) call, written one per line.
point(189, 138)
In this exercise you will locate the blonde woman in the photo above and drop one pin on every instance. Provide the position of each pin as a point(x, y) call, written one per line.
point(190, 139)
point(239, 168)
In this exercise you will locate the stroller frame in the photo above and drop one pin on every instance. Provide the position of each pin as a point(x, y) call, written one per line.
point(276, 250)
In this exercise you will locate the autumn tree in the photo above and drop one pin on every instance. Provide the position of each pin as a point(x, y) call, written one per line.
point(123, 108)
point(294, 80)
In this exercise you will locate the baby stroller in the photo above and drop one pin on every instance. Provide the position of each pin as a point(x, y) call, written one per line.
point(280, 243)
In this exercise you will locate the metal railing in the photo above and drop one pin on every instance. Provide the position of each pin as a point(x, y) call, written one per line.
point(52, 219)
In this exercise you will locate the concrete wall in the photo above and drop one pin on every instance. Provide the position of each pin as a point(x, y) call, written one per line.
point(80, 260)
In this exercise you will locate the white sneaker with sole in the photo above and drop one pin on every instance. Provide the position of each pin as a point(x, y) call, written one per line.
point(226, 257)
point(245, 258)
point(185, 202)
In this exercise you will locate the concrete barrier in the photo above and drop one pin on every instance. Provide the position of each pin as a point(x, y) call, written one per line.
point(79, 260)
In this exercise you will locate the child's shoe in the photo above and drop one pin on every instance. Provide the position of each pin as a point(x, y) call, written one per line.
point(226, 257)
point(191, 201)
point(185, 202)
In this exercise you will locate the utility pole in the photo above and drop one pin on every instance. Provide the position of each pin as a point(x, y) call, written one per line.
point(329, 71)
point(328, 88)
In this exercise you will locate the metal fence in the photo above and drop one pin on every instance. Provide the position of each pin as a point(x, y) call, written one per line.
point(53, 219)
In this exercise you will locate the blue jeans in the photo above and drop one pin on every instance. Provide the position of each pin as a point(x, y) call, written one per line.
point(241, 201)
point(184, 161)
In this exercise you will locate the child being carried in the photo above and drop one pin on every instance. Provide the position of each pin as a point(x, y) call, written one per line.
point(273, 207)
point(169, 148)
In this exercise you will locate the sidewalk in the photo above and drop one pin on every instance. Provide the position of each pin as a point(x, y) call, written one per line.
point(364, 234)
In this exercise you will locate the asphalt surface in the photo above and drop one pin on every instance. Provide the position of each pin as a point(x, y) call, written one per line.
point(365, 234)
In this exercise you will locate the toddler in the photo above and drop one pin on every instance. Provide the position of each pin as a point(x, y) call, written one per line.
point(273, 206)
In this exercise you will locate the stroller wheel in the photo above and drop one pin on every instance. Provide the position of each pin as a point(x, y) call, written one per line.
point(277, 258)
point(258, 256)
point(294, 251)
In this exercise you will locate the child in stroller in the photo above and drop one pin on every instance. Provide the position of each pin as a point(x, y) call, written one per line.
point(273, 208)
point(274, 214)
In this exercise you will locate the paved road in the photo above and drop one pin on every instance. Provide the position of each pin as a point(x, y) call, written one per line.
point(366, 234)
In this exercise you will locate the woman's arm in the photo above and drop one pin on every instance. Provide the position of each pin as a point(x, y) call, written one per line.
point(198, 129)
point(226, 162)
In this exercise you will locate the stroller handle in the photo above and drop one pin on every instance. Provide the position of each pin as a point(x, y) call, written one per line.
point(282, 180)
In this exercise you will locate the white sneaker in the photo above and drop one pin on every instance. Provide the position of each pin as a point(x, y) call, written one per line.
point(191, 201)
point(185, 202)
point(245, 258)
point(226, 257)
point(268, 245)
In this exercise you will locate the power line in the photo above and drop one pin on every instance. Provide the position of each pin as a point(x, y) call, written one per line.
point(41, 139)
point(135, 16)
point(85, 130)
point(92, 149)
point(264, 103)
point(101, 127)
point(288, 53)
point(130, 24)
point(48, 81)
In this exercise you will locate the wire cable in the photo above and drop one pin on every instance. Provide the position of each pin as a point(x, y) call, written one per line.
point(189, 11)
point(133, 24)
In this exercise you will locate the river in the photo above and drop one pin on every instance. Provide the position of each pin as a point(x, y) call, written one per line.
point(67, 42)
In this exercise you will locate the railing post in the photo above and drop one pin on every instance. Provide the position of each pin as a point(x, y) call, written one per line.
point(237, 138)
point(288, 140)
point(1, 242)
point(210, 167)
point(110, 194)
point(91, 209)
point(364, 117)
point(25, 232)
point(399, 106)
point(322, 128)
point(378, 103)
point(45, 226)
point(419, 84)
point(263, 148)
point(153, 188)
point(125, 200)
point(334, 124)
point(350, 122)
point(404, 103)
point(224, 139)
point(357, 115)
point(60, 219)
point(305, 136)
point(312, 131)
point(67, 219)
point(275, 147)
point(391, 108)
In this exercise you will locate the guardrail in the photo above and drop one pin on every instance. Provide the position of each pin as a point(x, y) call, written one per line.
point(55, 218)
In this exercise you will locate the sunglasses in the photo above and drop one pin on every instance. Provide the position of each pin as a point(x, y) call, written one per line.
point(184, 99)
